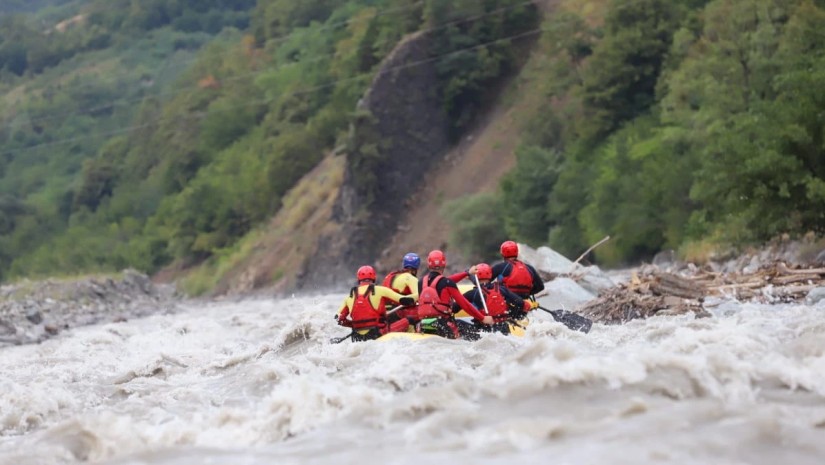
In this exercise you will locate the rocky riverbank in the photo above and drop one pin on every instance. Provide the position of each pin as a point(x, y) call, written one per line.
point(778, 273)
point(33, 311)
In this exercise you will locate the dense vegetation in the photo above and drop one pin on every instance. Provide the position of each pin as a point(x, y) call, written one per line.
point(675, 122)
point(20, 6)
point(146, 133)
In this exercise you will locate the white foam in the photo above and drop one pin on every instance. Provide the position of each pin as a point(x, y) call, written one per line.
point(258, 382)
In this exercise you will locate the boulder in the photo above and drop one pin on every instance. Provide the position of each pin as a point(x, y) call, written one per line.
point(34, 317)
point(545, 259)
point(665, 258)
point(551, 264)
point(33, 311)
point(565, 293)
point(815, 296)
point(593, 279)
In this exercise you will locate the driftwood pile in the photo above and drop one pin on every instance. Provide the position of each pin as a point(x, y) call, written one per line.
point(652, 292)
point(770, 284)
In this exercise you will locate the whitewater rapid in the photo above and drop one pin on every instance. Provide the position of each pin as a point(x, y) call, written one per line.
point(257, 382)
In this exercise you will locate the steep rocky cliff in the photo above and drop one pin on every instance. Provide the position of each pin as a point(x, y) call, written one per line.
point(335, 220)
point(399, 136)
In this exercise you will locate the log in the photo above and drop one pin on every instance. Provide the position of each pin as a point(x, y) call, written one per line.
point(795, 278)
point(747, 285)
point(671, 284)
point(781, 267)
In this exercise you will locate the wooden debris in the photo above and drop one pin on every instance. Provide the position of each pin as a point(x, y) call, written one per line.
point(650, 296)
point(651, 292)
point(670, 284)
point(774, 282)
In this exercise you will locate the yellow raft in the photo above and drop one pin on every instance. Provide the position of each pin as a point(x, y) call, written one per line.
point(516, 329)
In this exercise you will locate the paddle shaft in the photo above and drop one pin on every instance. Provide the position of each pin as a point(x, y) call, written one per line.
point(338, 340)
point(481, 293)
point(394, 309)
point(555, 313)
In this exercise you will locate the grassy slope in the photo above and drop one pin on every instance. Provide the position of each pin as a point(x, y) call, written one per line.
point(269, 256)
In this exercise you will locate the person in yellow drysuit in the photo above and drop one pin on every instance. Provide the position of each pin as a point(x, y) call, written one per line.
point(364, 309)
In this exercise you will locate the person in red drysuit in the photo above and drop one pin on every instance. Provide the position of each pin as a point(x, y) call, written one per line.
point(437, 293)
point(501, 304)
point(519, 277)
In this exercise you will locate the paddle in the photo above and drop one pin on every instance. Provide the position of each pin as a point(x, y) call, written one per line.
point(572, 320)
point(338, 340)
point(481, 294)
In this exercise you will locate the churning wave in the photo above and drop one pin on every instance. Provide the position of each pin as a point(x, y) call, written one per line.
point(257, 382)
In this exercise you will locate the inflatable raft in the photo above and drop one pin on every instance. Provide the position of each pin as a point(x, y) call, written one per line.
point(517, 329)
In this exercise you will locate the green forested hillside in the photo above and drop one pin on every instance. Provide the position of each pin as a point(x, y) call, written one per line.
point(674, 123)
point(146, 133)
point(163, 131)
point(21, 6)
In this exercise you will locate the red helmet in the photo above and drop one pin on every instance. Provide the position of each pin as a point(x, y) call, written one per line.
point(436, 259)
point(484, 271)
point(509, 249)
point(366, 272)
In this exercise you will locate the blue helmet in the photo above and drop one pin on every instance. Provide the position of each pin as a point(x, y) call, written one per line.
point(411, 260)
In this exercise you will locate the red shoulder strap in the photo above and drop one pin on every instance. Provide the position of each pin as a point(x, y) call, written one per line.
point(388, 279)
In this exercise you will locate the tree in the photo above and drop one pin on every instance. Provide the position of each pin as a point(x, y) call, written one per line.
point(639, 193)
point(14, 57)
point(620, 80)
point(276, 18)
point(525, 193)
point(476, 223)
point(471, 55)
point(749, 121)
point(97, 182)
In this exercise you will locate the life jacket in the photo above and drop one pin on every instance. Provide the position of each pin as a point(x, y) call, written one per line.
point(430, 304)
point(389, 279)
point(520, 280)
point(363, 314)
point(496, 304)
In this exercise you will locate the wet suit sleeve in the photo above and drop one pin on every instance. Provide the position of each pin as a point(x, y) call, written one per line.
point(459, 276)
point(472, 297)
point(499, 270)
point(384, 294)
point(462, 302)
point(343, 312)
point(538, 283)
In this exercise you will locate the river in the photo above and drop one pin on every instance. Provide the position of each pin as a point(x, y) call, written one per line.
point(257, 382)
